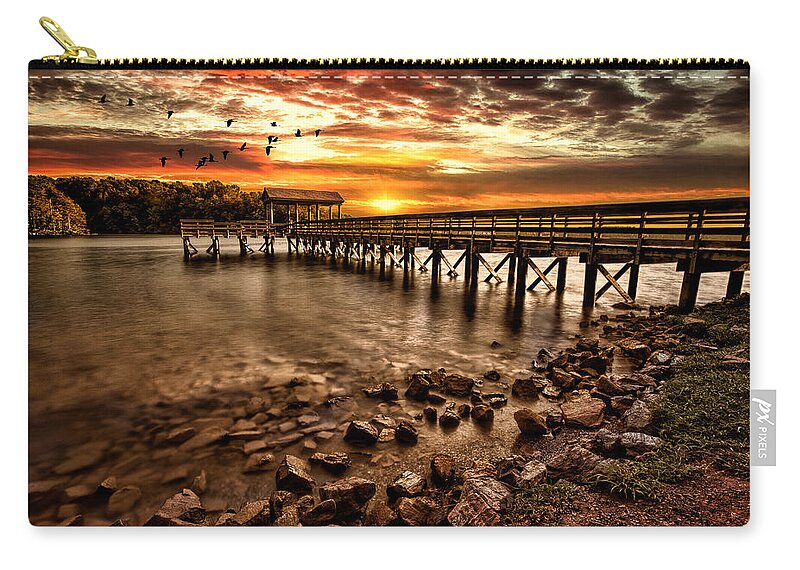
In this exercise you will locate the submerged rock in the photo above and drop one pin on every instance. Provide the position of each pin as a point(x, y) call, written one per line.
point(351, 495)
point(449, 419)
point(583, 411)
point(384, 391)
point(124, 499)
point(406, 432)
point(418, 511)
point(336, 463)
point(458, 385)
point(443, 469)
point(418, 387)
point(321, 514)
point(408, 484)
point(529, 387)
point(530, 423)
point(482, 414)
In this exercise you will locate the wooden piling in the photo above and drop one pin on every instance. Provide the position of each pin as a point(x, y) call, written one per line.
point(561, 280)
point(735, 282)
point(689, 289)
point(468, 263)
point(436, 263)
point(522, 274)
point(633, 280)
point(589, 284)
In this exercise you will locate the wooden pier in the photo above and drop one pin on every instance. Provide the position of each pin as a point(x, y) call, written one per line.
point(699, 236)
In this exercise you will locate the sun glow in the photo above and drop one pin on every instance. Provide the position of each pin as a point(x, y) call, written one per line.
point(385, 204)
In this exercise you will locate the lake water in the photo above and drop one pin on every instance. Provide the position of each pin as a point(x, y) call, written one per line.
point(126, 339)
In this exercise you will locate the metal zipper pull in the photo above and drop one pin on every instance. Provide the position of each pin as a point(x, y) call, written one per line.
point(72, 52)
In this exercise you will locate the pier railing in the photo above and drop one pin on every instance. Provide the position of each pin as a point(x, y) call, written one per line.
point(243, 228)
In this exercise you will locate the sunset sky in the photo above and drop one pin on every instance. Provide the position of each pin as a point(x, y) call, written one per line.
point(406, 140)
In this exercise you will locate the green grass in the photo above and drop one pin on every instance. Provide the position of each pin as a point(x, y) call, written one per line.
point(701, 412)
point(543, 504)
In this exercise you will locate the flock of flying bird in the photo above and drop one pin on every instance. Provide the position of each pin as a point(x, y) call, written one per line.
point(204, 160)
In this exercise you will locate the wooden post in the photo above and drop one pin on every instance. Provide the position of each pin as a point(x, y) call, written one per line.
point(561, 282)
point(317, 212)
point(589, 283)
point(512, 267)
point(633, 280)
point(436, 264)
point(689, 288)
point(244, 249)
point(468, 263)
point(382, 262)
point(338, 211)
point(735, 282)
point(522, 273)
point(271, 214)
point(473, 265)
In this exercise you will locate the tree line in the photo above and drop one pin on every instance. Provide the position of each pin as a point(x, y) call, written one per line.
point(77, 205)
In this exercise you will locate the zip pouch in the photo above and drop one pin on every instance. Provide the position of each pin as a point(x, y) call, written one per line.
point(380, 292)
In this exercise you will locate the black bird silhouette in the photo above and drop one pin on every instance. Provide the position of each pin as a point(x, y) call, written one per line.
point(104, 99)
point(268, 148)
point(163, 160)
point(200, 164)
point(130, 103)
point(229, 122)
point(297, 133)
point(271, 139)
point(243, 146)
point(225, 154)
point(317, 132)
point(180, 152)
point(211, 157)
point(170, 113)
point(274, 124)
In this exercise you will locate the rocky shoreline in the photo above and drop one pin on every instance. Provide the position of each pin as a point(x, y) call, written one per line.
point(584, 416)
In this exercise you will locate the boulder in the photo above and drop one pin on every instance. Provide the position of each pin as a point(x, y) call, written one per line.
point(659, 373)
point(408, 484)
point(384, 391)
point(609, 387)
point(320, 515)
point(473, 510)
point(336, 463)
point(636, 443)
point(463, 410)
point(406, 432)
point(554, 418)
point(292, 475)
point(418, 387)
point(607, 443)
point(351, 495)
point(530, 423)
point(496, 400)
point(635, 348)
point(123, 499)
point(529, 387)
point(599, 364)
point(430, 414)
point(543, 357)
point(583, 411)
point(496, 494)
point(564, 380)
point(533, 473)
point(492, 376)
point(458, 385)
point(443, 469)
point(208, 436)
point(576, 464)
point(107, 487)
point(289, 517)
point(180, 435)
point(436, 399)
point(359, 432)
point(449, 419)
point(660, 358)
point(694, 327)
point(280, 500)
point(379, 514)
point(255, 405)
point(184, 507)
point(418, 511)
point(638, 417)
point(482, 414)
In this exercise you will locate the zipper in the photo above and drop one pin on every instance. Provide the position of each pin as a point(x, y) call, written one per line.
point(79, 57)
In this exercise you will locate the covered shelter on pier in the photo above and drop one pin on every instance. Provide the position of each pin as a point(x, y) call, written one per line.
point(298, 197)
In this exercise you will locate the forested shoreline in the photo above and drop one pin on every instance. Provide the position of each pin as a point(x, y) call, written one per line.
point(78, 205)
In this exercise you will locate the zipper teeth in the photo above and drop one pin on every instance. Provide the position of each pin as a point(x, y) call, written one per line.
point(390, 63)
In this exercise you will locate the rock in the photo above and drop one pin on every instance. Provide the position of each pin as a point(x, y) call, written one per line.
point(258, 462)
point(633, 382)
point(386, 435)
point(634, 348)
point(638, 417)
point(528, 387)
point(351, 495)
point(293, 476)
point(253, 513)
point(554, 418)
point(254, 446)
point(636, 443)
point(551, 391)
point(473, 511)
point(82, 457)
point(406, 432)
point(68, 511)
point(418, 511)
point(660, 373)
point(361, 433)
point(76, 520)
point(496, 400)
point(208, 436)
point(583, 411)
point(320, 515)
point(443, 469)
point(418, 388)
point(576, 464)
point(180, 435)
point(597, 363)
point(280, 500)
point(533, 473)
point(408, 484)
point(385, 391)
point(492, 376)
point(383, 422)
point(289, 517)
point(621, 404)
point(179, 473)
point(78, 493)
point(463, 410)
point(482, 414)
point(480, 468)
point(608, 387)
point(430, 414)
point(607, 443)
point(200, 482)
point(530, 423)
point(496, 494)
point(458, 385)
point(495, 344)
point(255, 405)
point(184, 506)
point(336, 463)
point(660, 358)
point(449, 419)
point(694, 327)
point(543, 357)
point(563, 379)
point(107, 487)
point(436, 399)
point(123, 499)
point(379, 514)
